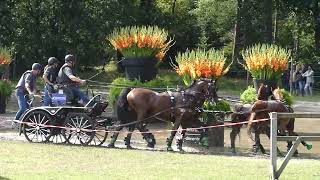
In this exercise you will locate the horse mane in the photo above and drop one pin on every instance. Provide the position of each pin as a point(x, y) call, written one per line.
point(190, 86)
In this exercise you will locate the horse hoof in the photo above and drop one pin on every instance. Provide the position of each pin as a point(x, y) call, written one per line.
point(111, 146)
point(150, 145)
point(129, 147)
point(233, 150)
point(169, 149)
point(180, 149)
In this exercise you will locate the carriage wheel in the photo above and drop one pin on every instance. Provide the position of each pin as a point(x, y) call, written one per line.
point(56, 136)
point(99, 138)
point(35, 132)
point(77, 125)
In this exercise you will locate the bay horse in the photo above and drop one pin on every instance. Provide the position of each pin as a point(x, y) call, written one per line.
point(261, 109)
point(139, 106)
point(241, 114)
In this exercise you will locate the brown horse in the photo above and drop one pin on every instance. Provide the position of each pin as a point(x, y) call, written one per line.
point(241, 114)
point(138, 106)
point(261, 110)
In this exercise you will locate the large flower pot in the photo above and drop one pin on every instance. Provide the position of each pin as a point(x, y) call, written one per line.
point(141, 68)
point(272, 84)
point(3, 103)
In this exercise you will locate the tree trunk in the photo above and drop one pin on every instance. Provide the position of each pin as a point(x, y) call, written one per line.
point(173, 6)
point(275, 29)
point(267, 5)
point(316, 17)
point(236, 35)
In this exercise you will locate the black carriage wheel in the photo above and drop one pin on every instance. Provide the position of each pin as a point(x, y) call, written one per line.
point(76, 125)
point(34, 131)
point(99, 138)
point(56, 136)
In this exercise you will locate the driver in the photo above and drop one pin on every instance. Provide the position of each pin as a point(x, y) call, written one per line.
point(66, 77)
point(26, 85)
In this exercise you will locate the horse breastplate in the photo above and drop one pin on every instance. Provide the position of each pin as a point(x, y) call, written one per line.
point(173, 104)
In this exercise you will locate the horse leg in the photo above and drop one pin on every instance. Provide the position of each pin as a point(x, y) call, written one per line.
point(114, 137)
point(149, 137)
point(180, 141)
point(128, 138)
point(233, 134)
point(173, 132)
point(268, 134)
point(257, 144)
point(204, 138)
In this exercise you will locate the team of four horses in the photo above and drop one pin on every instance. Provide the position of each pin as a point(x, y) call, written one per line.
point(137, 107)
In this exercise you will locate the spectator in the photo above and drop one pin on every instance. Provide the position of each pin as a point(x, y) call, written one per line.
point(295, 81)
point(309, 81)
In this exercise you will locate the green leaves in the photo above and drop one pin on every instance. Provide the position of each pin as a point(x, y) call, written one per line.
point(249, 95)
point(5, 88)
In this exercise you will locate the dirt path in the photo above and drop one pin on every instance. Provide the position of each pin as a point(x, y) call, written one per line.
point(243, 143)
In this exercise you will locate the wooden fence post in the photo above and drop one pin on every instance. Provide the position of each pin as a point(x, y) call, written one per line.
point(273, 145)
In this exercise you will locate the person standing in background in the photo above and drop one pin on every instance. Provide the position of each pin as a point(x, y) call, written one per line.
point(309, 81)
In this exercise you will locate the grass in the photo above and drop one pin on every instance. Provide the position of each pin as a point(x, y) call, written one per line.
point(20, 160)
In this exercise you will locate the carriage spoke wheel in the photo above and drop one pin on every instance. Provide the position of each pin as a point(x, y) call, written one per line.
point(99, 138)
point(34, 131)
point(56, 136)
point(78, 126)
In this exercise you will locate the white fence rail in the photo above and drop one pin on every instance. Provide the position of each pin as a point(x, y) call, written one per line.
point(275, 173)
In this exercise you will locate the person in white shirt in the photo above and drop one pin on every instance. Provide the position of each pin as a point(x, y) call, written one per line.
point(309, 82)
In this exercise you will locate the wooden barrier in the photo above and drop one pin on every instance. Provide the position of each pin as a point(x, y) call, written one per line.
point(275, 173)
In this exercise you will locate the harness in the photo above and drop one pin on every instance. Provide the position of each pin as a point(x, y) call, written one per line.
point(172, 105)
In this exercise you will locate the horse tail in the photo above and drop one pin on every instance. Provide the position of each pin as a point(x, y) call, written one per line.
point(124, 113)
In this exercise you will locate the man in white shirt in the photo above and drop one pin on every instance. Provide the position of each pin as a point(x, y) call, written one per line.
point(309, 82)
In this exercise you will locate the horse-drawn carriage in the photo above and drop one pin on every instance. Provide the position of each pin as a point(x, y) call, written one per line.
point(66, 124)
point(82, 125)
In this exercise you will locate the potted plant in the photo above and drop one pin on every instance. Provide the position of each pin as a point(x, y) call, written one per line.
point(266, 63)
point(5, 87)
point(200, 63)
point(142, 47)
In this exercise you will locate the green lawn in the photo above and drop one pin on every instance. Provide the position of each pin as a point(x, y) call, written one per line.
point(19, 160)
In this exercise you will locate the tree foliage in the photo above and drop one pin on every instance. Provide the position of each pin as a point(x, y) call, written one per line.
point(38, 29)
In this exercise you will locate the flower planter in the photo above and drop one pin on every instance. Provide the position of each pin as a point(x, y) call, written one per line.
point(141, 68)
point(215, 135)
point(270, 83)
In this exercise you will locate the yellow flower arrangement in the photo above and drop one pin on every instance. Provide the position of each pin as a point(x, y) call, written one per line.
point(200, 63)
point(266, 61)
point(141, 41)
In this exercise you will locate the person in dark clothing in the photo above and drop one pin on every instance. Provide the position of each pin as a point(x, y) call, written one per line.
point(49, 76)
point(26, 85)
point(67, 77)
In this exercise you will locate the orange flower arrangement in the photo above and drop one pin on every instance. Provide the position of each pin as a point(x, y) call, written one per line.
point(266, 61)
point(5, 56)
point(200, 63)
point(141, 41)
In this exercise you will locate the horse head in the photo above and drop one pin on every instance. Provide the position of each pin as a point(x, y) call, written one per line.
point(202, 89)
point(277, 94)
point(264, 92)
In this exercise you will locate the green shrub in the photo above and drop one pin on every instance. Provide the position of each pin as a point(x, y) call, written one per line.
point(5, 88)
point(221, 105)
point(249, 95)
point(119, 83)
point(288, 99)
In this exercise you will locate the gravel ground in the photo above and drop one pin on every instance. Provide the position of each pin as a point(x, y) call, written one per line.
point(243, 143)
